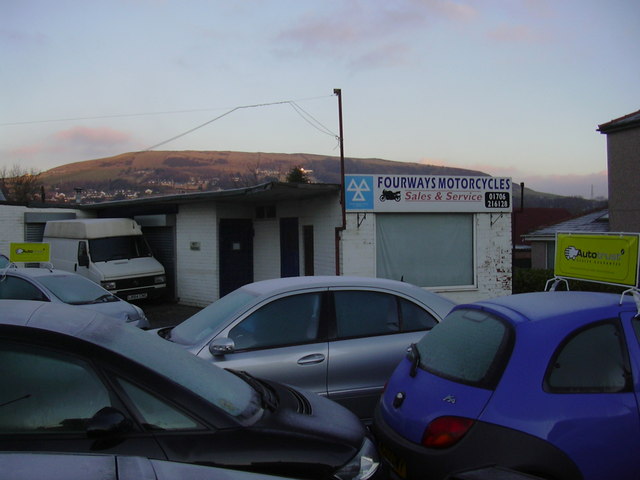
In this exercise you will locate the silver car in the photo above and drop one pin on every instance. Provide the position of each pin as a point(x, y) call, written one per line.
point(58, 286)
point(83, 466)
point(337, 336)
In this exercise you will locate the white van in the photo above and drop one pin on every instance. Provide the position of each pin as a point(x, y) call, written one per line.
point(110, 251)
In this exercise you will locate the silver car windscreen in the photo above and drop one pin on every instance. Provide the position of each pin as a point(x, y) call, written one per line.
point(75, 290)
point(209, 319)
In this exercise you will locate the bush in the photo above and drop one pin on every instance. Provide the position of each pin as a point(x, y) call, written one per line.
point(534, 280)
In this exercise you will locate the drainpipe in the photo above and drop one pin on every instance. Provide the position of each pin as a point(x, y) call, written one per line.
point(339, 230)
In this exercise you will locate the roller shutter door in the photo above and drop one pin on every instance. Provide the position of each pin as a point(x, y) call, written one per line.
point(163, 245)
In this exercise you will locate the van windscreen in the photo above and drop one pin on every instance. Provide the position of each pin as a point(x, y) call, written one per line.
point(118, 248)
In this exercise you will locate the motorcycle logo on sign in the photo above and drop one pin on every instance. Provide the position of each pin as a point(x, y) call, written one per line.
point(389, 195)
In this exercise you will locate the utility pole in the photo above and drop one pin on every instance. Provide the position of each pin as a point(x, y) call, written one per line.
point(338, 92)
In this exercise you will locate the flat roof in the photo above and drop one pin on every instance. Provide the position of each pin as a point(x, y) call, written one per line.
point(263, 193)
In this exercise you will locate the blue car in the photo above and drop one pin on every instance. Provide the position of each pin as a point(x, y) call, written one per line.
point(544, 384)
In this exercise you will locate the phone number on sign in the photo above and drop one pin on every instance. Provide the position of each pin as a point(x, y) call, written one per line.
point(497, 200)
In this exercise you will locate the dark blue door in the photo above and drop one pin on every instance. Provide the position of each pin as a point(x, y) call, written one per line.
point(289, 248)
point(236, 253)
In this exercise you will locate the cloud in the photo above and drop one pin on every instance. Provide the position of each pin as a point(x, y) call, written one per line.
point(71, 144)
point(455, 11)
point(92, 137)
point(16, 37)
point(589, 185)
point(517, 34)
point(366, 31)
point(388, 55)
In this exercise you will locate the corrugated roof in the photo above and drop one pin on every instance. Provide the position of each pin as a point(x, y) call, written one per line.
point(596, 222)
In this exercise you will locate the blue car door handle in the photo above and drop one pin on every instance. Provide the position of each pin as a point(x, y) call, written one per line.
point(311, 359)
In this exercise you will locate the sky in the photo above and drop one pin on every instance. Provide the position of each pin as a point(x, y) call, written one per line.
point(512, 88)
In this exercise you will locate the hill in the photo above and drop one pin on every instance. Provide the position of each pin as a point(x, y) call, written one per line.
point(166, 172)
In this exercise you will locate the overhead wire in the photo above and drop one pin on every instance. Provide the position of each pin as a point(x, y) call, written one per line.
point(140, 114)
point(304, 114)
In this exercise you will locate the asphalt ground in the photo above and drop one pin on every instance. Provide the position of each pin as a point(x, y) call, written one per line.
point(167, 314)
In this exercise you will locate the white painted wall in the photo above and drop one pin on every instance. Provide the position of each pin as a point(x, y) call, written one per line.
point(325, 215)
point(12, 228)
point(197, 270)
point(266, 249)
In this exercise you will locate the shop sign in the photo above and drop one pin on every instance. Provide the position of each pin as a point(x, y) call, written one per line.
point(427, 193)
point(29, 252)
point(604, 258)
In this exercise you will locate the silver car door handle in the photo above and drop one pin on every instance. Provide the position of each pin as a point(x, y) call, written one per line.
point(311, 359)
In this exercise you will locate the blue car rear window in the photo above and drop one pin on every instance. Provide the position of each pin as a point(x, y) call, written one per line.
point(469, 346)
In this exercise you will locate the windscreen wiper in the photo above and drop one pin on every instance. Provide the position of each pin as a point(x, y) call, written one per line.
point(268, 397)
point(107, 297)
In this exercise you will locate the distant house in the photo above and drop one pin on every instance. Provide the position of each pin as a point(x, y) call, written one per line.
point(543, 241)
point(527, 220)
point(623, 159)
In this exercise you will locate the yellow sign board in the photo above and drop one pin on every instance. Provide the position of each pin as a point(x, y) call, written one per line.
point(29, 252)
point(605, 258)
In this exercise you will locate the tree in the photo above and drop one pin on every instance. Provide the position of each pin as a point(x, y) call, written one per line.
point(298, 175)
point(21, 185)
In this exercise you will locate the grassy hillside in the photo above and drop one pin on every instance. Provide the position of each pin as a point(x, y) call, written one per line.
point(176, 171)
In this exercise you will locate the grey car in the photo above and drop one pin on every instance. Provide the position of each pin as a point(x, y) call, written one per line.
point(58, 286)
point(337, 336)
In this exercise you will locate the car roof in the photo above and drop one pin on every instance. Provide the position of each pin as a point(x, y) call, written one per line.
point(77, 465)
point(34, 272)
point(280, 285)
point(555, 306)
point(60, 318)
point(123, 340)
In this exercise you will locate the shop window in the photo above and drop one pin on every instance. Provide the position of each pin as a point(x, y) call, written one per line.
point(426, 249)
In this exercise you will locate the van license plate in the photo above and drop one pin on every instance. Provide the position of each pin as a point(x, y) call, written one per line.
point(137, 296)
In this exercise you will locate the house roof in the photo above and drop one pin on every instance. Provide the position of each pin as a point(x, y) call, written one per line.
point(531, 219)
point(595, 222)
point(632, 120)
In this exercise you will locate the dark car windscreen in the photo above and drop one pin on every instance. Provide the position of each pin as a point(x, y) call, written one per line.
point(468, 346)
point(118, 248)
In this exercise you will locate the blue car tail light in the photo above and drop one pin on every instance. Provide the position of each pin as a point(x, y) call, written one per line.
point(443, 432)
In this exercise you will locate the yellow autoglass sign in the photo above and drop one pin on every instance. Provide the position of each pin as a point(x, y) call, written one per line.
point(29, 252)
point(611, 258)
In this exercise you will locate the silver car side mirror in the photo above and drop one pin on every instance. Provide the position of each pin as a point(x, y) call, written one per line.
point(221, 346)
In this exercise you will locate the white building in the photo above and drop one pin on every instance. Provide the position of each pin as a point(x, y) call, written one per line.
point(448, 234)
